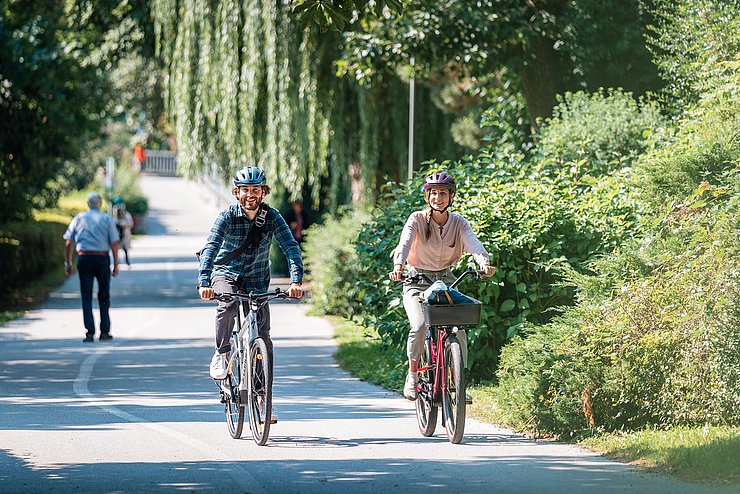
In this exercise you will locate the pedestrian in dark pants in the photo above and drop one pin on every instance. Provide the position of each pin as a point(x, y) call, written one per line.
point(94, 234)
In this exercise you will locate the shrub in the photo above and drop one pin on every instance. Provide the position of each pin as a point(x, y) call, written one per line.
point(127, 187)
point(706, 147)
point(331, 262)
point(28, 251)
point(657, 345)
point(605, 129)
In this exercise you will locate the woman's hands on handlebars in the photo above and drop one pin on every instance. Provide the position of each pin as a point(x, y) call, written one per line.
point(488, 270)
point(398, 275)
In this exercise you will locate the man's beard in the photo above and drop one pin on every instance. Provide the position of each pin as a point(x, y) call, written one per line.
point(245, 204)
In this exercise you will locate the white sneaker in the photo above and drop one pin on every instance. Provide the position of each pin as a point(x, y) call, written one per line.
point(409, 389)
point(218, 365)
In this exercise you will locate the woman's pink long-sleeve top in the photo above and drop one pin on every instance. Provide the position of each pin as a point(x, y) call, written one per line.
point(445, 245)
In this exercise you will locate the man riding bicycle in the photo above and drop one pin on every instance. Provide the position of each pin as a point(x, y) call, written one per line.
point(431, 242)
point(236, 257)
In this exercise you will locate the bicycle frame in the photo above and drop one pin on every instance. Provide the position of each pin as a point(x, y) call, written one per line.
point(437, 366)
point(246, 341)
point(441, 370)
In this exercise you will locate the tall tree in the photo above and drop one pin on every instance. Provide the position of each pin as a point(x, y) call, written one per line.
point(549, 46)
point(55, 92)
point(248, 84)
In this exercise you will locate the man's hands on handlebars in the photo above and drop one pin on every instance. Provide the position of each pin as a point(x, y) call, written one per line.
point(295, 290)
point(205, 292)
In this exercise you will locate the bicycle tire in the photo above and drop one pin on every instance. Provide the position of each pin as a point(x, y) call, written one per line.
point(453, 397)
point(234, 407)
point(259, 396)
point(426, 410)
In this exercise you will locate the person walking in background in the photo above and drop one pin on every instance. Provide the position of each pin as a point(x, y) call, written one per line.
point(93, 234)
point(124, 225)
point(139, 156)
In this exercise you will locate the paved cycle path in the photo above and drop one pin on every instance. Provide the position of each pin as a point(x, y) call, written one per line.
point(140, 414)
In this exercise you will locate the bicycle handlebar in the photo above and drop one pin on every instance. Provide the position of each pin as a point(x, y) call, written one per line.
point(227, 296)
point(414, 279)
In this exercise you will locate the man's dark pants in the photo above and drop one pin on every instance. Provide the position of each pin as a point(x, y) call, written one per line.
point(91, 268)
point(226, 312)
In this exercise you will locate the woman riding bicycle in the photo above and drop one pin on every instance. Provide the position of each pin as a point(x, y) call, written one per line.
point(431, 242)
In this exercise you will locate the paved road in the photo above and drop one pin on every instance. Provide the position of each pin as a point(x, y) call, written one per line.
point(140, 414)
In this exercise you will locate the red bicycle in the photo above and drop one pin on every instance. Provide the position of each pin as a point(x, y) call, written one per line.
point(441, 370)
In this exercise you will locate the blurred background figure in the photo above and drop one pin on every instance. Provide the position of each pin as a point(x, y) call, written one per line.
point(296, 221)
point(124, 224)
point(139, 156)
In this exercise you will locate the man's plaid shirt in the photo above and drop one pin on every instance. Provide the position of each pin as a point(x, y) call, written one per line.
point(251, 269)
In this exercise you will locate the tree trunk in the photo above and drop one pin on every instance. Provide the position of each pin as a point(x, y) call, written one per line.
point(543, 78)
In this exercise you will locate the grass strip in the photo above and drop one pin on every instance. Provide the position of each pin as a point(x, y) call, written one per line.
point(706, 454)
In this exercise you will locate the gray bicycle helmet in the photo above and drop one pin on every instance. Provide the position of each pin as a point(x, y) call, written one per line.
point(249, 175)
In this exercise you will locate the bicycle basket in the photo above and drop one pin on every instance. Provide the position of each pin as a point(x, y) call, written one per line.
point(459, 315)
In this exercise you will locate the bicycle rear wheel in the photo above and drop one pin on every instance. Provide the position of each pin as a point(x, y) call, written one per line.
point(233, 406)
point(260, 392)
point(426, 410)
point(453, 397)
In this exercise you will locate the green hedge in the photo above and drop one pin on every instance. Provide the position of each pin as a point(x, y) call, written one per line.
point(665, 350)
point(28, 251)
point(332, 264)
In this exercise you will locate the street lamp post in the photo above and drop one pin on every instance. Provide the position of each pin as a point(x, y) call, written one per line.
point(411, 121)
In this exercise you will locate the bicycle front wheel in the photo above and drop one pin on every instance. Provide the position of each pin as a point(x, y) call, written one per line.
point(453, 396)
point(233, 406)
point(426, 410)
point(259, 396)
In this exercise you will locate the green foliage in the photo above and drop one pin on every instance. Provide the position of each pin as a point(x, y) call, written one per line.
point(550, 46)
point(127, 188)
point(338, 13)
point(248, 85)
point(332, 263)
point(55, 91)
point(28, 251)
point(46, 89)
point(706, 146)
point(654, 338)
point(532, 217)
point(663, 351)
point(607, 128)
point(694, 43)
